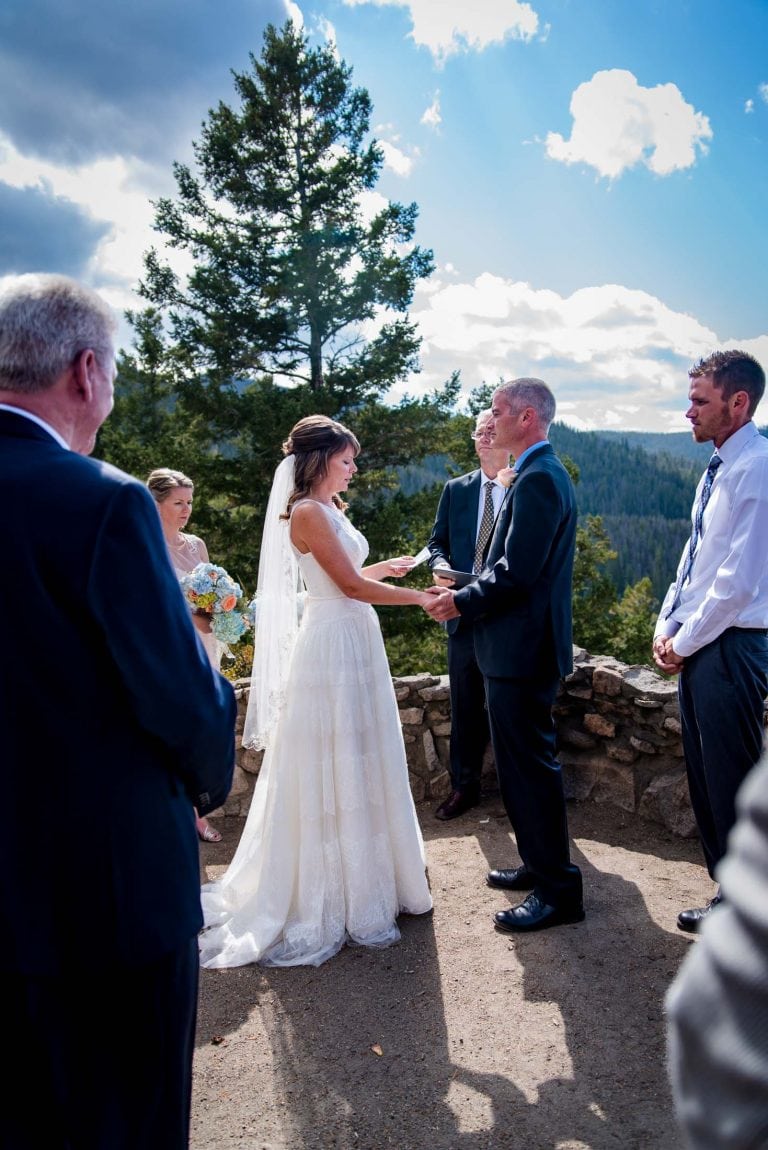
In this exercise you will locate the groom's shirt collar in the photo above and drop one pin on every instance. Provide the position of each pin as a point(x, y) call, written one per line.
point(529, 451)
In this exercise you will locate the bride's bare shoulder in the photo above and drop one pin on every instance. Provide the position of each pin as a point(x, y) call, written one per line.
point(310, 509)
point(310, 522)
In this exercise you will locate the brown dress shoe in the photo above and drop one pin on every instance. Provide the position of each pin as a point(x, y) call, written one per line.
point(457, 803)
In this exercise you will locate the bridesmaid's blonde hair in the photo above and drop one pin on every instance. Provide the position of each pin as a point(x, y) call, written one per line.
point(162, 481)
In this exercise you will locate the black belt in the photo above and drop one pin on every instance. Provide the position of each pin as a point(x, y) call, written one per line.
point(751, 630)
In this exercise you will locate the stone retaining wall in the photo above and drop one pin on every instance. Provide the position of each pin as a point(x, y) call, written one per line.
point(618, 734)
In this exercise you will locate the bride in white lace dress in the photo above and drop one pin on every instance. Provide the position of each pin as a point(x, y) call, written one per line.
point(331, 851)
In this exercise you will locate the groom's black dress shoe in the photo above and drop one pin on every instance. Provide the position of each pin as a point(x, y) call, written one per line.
point(533, 914)
point(691, 920)
point(457, 803)
point(518, 878)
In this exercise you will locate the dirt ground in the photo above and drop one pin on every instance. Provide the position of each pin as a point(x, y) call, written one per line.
point(459, 1037)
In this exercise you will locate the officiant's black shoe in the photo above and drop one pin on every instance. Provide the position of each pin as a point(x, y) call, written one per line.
point(533, 914)
point(457, 803)
point(691, 920)
point(518, 878)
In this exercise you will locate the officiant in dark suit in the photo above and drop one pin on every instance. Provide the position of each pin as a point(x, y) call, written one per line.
point(465, 516)
point(113, 727)
point(520, 608)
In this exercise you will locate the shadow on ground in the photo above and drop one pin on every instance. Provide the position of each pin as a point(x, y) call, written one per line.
point(461, 1038)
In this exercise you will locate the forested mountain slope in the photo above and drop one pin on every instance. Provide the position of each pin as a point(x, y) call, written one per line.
point(643, 494)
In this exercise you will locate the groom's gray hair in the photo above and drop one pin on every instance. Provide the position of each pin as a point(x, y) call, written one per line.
point(530, 392)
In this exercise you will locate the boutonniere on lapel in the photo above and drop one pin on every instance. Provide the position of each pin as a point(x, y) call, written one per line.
point(507, 476)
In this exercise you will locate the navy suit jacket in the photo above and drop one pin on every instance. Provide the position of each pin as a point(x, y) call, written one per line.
point(453, 536)
point(112, 722)
point(521, 605)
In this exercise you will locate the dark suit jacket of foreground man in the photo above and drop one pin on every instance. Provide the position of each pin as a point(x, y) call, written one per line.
point(112, 725)
point(522, 615)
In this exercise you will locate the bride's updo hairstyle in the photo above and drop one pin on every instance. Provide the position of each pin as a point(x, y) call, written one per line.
point(312, 442)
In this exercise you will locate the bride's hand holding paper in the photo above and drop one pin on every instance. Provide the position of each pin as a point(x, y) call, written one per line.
point(394, 568)
point(401, 565)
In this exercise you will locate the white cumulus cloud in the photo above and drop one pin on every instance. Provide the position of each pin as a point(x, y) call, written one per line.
point(447, 27)
point(395, 159)
point(618, 124)
point(615, 356)
point(432, 117)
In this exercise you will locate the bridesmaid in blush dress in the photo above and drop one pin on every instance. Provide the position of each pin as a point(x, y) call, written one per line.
point(173, 493)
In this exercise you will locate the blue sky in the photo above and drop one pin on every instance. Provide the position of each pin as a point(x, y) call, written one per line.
point(591, 175)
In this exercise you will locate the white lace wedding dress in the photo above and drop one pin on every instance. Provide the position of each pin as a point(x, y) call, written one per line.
point(331, 851)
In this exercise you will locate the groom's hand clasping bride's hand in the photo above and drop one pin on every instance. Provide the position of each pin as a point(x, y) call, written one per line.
point(441, 606)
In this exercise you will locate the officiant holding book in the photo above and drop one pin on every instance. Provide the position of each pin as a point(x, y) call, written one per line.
point(466, 513)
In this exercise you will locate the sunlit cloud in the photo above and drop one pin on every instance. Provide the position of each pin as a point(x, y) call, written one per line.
point(114, 208)
point(448, 28)
point(618, 124)
point(395, 159)
point(432, 117)
point(763, 91)
point(615, 356)
point(294, 14)
point(327, 32)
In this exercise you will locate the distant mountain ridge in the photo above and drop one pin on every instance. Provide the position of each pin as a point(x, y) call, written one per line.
point(679, 444)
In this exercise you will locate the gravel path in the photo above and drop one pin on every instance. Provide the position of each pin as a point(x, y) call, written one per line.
point(461, 1038)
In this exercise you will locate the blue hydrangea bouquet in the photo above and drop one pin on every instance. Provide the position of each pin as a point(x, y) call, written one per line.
point(210, 589)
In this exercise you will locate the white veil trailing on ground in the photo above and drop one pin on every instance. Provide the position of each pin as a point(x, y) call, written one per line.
point(278, 604)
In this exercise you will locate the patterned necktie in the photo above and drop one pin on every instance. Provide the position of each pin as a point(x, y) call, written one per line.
point(706, 491)
point(486, 527)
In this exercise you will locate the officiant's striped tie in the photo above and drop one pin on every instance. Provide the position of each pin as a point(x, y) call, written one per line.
point(486, 527)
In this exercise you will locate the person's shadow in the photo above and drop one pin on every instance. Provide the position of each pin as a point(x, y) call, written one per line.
point(458, 1037)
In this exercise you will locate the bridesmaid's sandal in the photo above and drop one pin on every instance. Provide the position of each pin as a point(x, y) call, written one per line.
point(207, 834)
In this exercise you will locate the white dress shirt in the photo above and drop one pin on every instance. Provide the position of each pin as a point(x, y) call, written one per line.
point(728, 585)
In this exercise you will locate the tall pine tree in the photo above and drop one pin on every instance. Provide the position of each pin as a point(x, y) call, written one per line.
point(296, 300)
point(287, 271)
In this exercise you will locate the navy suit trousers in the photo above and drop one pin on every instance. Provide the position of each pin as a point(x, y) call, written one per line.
point(470, 731)
point(80, 1041)
point(530, 779)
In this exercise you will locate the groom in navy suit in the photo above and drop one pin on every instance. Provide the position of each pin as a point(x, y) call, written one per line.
point(113, 727)
point(521, 610)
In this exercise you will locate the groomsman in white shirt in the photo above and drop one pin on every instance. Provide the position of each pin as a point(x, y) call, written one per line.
point(713, 624)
